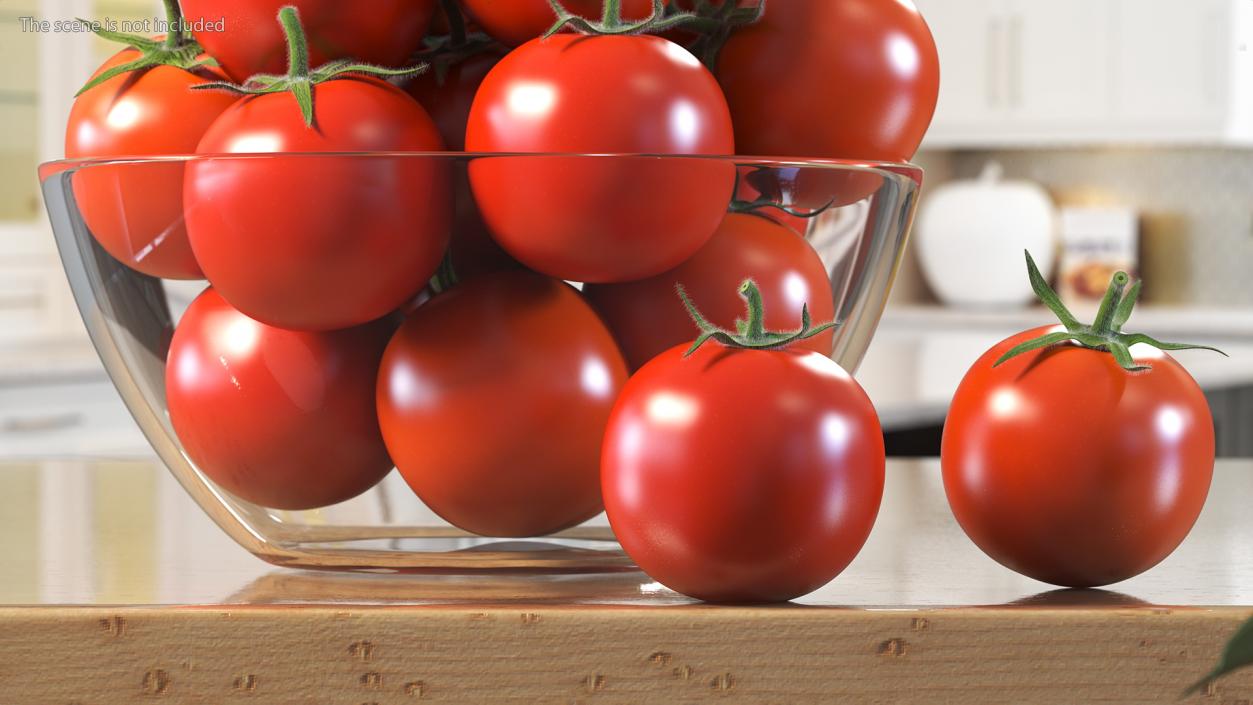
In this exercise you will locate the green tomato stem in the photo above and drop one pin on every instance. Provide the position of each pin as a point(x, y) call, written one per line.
point(1105, 334)
point(301, 78)
point(456, 23)
point(297, 43)
point(750, 332)
point(175, 36)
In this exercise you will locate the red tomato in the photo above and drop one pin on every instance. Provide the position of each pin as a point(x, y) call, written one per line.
point(854, 79)
point(742, 475)
point(282, 419)
point(320, 243)
point(245, 38)
point(134, 212)
point(601, 219)
point(647, 317)
point(516, 22)
point(448, 99)
point(1067, 468)
point(493, 399)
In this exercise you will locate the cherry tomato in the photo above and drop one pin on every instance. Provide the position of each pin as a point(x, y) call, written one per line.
point(245, 38)
point(448, 98)
point(648, 319)
point(136, 212)
point(1071, 470)
point(518, 21)
point(742, 475)
point(854, 79)
point(281, 419)
point(601, 219)
point(320, 243)
point(493, 399)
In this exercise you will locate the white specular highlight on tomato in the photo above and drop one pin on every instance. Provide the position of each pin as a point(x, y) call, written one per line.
point(1005, 403)
point(685, 125)
point(672, 410)
point(256, 143)
point(903, 55)
point(124, 114)
point(240, 336)
point(796, 287)
point(1170, 423)
point(681, 55)
point(835, 433)
point(406, 387)
point(531, 99)
point(596, 378)
point(823, 365)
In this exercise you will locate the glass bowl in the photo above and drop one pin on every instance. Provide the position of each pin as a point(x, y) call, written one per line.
point(861, 214)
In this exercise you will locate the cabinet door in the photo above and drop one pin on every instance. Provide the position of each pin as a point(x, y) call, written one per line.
point(1061, 65)
point(1172, 63)
point(971, 36)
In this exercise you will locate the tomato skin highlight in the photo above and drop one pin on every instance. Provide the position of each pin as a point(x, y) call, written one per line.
point(320, 243)
point(601, 219)
point(493, 398)
point(516, 22)
point(648, 318)
point(136, 212)
point(867, 89)
point(741, 476)
point(1068, 469)
point(382, 32)
point(282, 419)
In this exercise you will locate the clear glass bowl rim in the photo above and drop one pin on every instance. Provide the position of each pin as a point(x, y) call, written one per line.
point(907, 169)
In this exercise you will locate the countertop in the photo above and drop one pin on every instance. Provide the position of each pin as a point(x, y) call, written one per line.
point(920, 353)
point(116, 587)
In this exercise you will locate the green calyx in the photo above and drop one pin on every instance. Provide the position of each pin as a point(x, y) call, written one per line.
point(177, 49)
point(750, 333)
point(1103, 334)
point(763, 202)
point(444, 52)
point(715, 24)
point(611, 22)
point(300, 78)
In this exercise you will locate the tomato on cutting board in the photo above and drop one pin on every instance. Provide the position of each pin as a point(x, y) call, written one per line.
point(245, 38)
point(743, 468)
point(279, 418)
point(1078, 455)
point(139, 103)
point(648, 319)
point(601, 219)
point(493, 399)
point(846, 79)
point(319, 243)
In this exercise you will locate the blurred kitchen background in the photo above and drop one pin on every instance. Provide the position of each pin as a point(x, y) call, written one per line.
point(1098, 133)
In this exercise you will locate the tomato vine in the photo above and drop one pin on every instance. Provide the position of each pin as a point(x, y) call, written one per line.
point(177, 49)
point(1105, 333)
point(301, 77)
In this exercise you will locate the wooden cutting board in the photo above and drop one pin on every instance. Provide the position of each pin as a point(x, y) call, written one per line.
point(144, 601)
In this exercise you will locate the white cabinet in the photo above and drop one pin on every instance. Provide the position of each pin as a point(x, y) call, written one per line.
point(971, 43)
point(1059, 71)
point(1174, 67)
point(1029, 72)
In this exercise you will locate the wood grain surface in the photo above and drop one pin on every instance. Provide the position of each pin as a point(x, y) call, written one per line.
point(491, 654)
point(114, 588)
